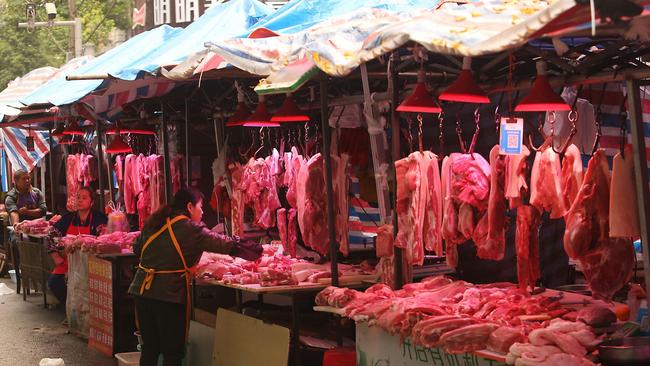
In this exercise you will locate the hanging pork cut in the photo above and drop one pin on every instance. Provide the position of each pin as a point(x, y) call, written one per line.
point(606, 262)
point(623, 209)
point(587, 221)
point(452, 237)
point(236, 199)
point(527, 246)
point(515, 177)
point(572, 175)
point(293, 162)
point(341, 188)
point(432, 230)
point(545, 184)
point(384, 241)
point(282, 228)
point(292, 231)
point(312, 205)
point(494, 246)
point(470, 179)
point(410, 206)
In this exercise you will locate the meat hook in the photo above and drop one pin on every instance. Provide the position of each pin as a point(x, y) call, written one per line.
point(477, 122)
point(540, 126)
point(261, 143)
point(459, 133)
point(599, 113)
point(420, 144)
point(573, 118)
point(441, 136)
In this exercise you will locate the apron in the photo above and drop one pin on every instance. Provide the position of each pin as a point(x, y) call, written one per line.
point(62, 268)
point(186, 271)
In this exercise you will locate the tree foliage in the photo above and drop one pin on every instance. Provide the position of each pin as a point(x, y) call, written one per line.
point(22, 50)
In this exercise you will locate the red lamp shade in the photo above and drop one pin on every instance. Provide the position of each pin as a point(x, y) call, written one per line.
point(73, 129)
point(118, 146)
point(420, 101)
point(465, 89)
point(542, 98)
point(114, 129)
point(289, 112)
point(139, 128)
point(240, 115)
point(260, 117)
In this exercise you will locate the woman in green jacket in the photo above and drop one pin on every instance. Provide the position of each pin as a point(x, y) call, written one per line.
point(169, 247)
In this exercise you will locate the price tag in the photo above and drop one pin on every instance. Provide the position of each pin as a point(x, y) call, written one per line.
point(511, 136)
point(30, 143)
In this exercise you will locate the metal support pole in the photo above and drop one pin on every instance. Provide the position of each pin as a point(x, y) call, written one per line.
point(328, 179)
point(51, 174)
point(165, 141)
point(188, 161)
point(641, 174)
point(75, 25)
point(395, 140)
point(100, 163)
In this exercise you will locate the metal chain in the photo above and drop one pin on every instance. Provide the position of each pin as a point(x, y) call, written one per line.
point(477, 122)
point(409, 137)
point(441, 136)
point(420, 144)
point(459, 133)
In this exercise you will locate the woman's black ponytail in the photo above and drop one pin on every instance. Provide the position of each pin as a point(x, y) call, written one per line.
point(178, 206)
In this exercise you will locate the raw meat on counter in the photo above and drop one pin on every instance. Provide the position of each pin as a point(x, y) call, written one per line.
point(273, 268)
point(33, 227)
point(606, 262)
point(545, 184)
point(461, 317)
point(117, 242)
point(597, 316)
point(623, 209)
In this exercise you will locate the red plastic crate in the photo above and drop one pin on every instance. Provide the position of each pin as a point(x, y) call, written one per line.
point(344, 356)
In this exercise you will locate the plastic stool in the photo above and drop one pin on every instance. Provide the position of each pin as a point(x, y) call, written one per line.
point(344, 356)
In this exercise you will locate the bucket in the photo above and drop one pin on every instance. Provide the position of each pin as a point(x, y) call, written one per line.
point(12, 274)
point(128, 358)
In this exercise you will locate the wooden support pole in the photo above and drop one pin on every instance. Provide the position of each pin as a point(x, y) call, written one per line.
point(50, 171)
point(640, 173)
point(329, 189)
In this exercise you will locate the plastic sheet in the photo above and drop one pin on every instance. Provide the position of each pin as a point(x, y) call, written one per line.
point(77, 307)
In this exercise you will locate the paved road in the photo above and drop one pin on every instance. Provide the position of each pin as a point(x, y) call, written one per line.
point(28, 333)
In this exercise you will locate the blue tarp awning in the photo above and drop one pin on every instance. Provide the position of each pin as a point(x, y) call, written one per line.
point(221, 21)
point(61, 92)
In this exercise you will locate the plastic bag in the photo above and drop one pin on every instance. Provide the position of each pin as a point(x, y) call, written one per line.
point(117, 220)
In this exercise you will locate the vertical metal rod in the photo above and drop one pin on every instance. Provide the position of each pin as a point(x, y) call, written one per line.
point(165, 142)
point(641, 173)
point(188, 178)
point(100, 163)
point(328, 178)
point(395, 140)
point(51, 174)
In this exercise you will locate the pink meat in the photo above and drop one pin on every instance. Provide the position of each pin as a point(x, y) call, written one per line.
point(72, 183)
point(527, 246)
point(131, 183)
point(292, 231)
point(384, 241)
point(236, 199)
point(467, 339)
point(312, 207)
point(282, 228)
point(515, 177)
point(470, 179)
point(545, 186)
point(340, 186)
point(572, 175)
point(495, 244)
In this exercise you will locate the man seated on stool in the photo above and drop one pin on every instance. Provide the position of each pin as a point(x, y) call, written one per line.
point(24, 202)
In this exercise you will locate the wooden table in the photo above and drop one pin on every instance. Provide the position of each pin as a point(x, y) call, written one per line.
point(293, 291)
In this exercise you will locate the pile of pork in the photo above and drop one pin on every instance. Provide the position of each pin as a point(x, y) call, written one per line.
point(461, 317)
point(468, 198)
point(117, 242)
point(273, 268)
point(33, 227)
point(256, 185)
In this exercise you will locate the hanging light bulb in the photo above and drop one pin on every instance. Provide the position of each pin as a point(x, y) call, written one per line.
point(261, 116)
point(420, 101)
point(73, 129)
point(465, 89)
point(118, 146)
point(542, 98)
point(241, 112)
point(289, 112)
